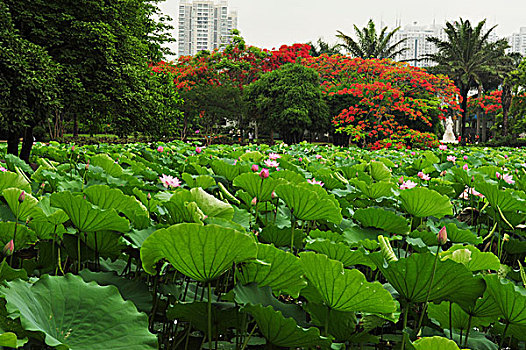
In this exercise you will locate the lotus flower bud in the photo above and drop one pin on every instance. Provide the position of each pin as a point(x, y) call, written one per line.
point(9, 248)
point(255, 167)
point(43, 185)
point(442, 236)
point(264, 174)
point(254, 201)
point(22, 197)
point(160, 149)
point(198, 150)
point(506, 237)
point(87, 165)
point(273, 195)
point(73, 148)
point(149, 196)
point(401, 179)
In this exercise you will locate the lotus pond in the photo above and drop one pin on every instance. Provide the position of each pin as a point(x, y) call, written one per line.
point(173, 246)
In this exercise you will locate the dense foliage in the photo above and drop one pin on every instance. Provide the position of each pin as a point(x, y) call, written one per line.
point(175, 246)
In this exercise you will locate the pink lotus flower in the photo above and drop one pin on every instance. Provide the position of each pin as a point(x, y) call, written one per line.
point(442, 236)
point(9, 248)
point(506, 156)
point(255, 167)
point(314, 182)
point(413, 153)
point(423, 176)
point(73, 148)
point(468, 191)
point(465, 157)
point(3, 169)
point(274, 156)
point(197, 131)
point(508, 179)
point(300, 159)
point(170, 181)
point(271, 163)
point(264, 173)
point(160, 149)
point(407, 185)
point(198, 150)
point(442, 147)
point(465, 167)
point(254, 201)
point(318, 156)
point(401, 180)
point(451, 159)
point(273, 195)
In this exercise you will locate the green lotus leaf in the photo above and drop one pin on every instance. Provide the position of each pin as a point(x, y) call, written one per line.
point(341, 252)
point(134, 290)
point(459, 318)
point(23, 209)
point(306, 202)
point(9, 179)
point(411, 277)
point(284, 273)
point(85, 216)
point(345, 290)
point(199, 252)
point(280, 237)
point(7, 273)
point(510, 299)
point(257, 187)
point(373, 190)
point(329, 235)
point(472, 258)
point(283, 331)
point(9, 340)
point(203, 181)
point(379, 171)
point(255, 295)
point(107, 164)
point(422, 202)
point(456, 234)
point(182, 208)
point(73, 314)
point(290, 176)
point(228, 171)
point(435, 343)
point(506, 200)
point(210, 205)
point(224, 315)
point(252, 156)
point(45, 212)
point(341, 323)
point(382, 219)
point(330, 179)
point(107, 198)
point(24, 235)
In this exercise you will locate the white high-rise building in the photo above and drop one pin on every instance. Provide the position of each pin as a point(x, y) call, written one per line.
point(417, 45)
point(204, 25)
point(518, 41)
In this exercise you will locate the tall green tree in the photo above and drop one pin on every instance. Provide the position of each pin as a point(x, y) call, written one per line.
point(28, 85)
point(321, 47)
point(465, 55)
point(289, 100)
point(103, 48)
point(372, 44)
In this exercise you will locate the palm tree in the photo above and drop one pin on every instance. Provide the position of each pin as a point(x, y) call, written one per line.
point(321, 47)
point(371, 44)
point(466, 55)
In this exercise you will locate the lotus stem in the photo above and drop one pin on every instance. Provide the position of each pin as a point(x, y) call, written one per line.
point(249, 336)
point(450, 322)
point(292, 224)
point(78, 249)
point(327, 318)
point(504, 335)
point(14, 234)
point(467, 331)
point(404, 324)
point(209, 316)
point(428, 292)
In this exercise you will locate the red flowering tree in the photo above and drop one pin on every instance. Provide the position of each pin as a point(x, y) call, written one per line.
point(382, 103)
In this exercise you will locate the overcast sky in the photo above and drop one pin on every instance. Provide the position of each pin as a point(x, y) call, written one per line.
point(271, 23)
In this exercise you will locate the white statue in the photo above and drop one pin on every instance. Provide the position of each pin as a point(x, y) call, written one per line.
point(449, 135)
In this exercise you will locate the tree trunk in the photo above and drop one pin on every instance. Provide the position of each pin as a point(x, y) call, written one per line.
point(75, 125)
point(479, 121)
point(463, 117)
point(484, 122)
point(506, 103)
point(12, 143)
point(27, 144)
